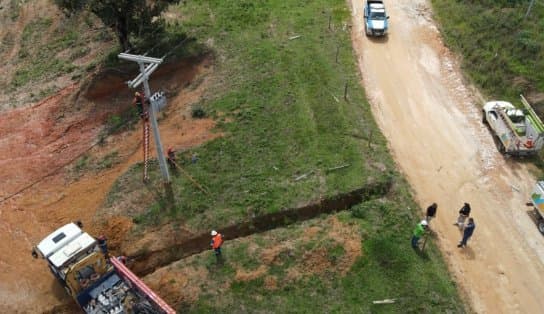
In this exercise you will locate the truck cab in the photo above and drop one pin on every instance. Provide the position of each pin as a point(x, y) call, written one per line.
point(97, 283)
point(74, 257)
point(376, 18)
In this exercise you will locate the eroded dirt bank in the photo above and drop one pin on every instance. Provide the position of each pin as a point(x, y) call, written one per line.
point(432, 120)
point(44, 137)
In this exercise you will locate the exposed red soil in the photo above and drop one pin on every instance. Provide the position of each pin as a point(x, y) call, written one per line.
point(183, 282)
point(39, 140)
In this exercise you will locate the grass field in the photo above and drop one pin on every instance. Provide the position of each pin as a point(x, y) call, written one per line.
point(502, 49)
point(278, 97)
point(280, 104)
point(313, 267)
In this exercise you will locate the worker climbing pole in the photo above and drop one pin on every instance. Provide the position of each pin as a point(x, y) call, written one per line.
point(152, 103)
point(142, 106)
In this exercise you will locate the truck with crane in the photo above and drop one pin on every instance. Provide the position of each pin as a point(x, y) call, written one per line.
point(517, 132)
point(99, 284)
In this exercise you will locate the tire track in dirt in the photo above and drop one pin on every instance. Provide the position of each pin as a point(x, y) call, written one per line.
point(432, 122)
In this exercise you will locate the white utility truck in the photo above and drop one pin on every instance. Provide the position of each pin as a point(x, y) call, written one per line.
point(518, 132)
point(100, 285)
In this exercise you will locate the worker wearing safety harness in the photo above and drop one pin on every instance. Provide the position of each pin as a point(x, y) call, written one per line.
point(138, 101)
point(217, 241)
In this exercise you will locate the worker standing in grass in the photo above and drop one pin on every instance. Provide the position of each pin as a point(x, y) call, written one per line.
point(217, 241)
point(431, 212)
point(171, 158)
point(467, 233)
point(418, 233)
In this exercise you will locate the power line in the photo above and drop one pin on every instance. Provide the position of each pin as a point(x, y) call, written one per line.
point(54, 171)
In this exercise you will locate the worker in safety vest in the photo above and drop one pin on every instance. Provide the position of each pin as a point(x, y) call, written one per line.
point(216, 242)
point(418, 233)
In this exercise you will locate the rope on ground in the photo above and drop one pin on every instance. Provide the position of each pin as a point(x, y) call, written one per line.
point(205, 190)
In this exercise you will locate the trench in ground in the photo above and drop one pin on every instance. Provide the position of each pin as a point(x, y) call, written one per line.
point(147, 262)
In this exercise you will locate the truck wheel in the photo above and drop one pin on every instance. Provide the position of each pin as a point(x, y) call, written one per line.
point(500, 145)
point(502, 149)
point(541, 226)
point(484, 119)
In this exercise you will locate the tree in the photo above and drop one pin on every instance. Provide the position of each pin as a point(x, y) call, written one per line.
point(126, 17)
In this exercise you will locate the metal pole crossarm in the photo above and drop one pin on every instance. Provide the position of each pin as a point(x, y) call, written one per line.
point(140, 78)
point(143, 77)
point(138, 58)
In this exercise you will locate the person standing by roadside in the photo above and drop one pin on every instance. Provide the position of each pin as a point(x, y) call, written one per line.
point(216, 242)
point(464, 212)
point(418, 233)
point(467, 233)
point(431, 212)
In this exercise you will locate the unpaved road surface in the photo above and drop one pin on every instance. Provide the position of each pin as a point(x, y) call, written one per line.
point(433, 124)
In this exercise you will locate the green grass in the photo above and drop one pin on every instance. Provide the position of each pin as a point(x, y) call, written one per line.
point(503, 53)
point(279, 104)
point(49, 48)
point(388, 268)
point(282, 111)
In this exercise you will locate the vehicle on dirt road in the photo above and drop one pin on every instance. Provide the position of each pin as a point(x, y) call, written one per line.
point(518, 132)
point(537, 198)
point(376, 23)
point(98, 284)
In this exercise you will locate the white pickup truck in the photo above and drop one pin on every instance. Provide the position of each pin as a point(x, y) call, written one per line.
point(518, 132)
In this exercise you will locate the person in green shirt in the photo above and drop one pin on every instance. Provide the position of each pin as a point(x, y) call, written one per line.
point(418, 233)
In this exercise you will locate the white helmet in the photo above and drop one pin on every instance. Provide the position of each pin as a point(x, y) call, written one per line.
point(424, 222)
point(214, 233)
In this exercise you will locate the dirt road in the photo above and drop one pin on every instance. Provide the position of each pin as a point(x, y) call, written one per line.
point(433, 124)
